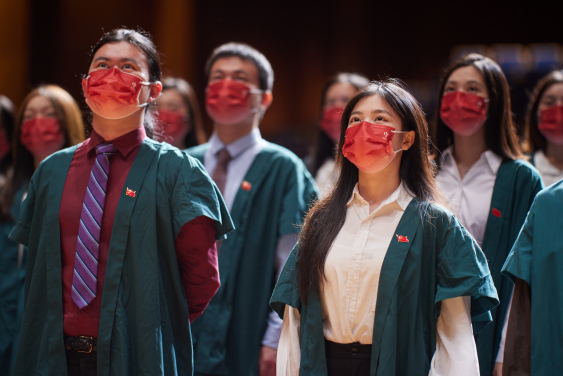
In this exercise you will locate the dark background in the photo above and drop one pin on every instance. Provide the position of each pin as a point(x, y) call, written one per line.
point(306, 42)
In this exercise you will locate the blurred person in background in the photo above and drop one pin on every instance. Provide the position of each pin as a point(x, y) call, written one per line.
point(336, 93)
point(179, 115)
point(7, 122)
point(544, 127)
point(49, 120)
point(375, 285)
point(268, 189)
point(483, 176)
point(120, 233)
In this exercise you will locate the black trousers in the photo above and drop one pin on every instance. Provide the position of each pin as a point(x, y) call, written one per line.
point(81, 364)
point(350, 359)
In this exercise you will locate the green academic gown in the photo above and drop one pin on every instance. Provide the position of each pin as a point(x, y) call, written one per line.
point(12, 282)
point(537, 258)
point(228, 336)
point(439, 261)
point(516, 186)
point(144, 324)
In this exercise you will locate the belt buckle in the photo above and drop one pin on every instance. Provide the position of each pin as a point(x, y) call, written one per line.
point(91, 344)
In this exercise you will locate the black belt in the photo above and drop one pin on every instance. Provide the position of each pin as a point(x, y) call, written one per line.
point(347, 350)
point(81, 344)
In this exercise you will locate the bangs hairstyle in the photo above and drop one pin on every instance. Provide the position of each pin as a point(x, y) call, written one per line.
point(69, 116)
point(142, 40)
point(500, 135)
point(324, 147)
point(416, 171)
point(245, 52)
point(534, 139)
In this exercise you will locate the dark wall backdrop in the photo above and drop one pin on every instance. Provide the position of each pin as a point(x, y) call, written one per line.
point(306, 42)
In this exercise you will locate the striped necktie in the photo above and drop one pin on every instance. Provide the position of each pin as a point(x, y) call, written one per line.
point(220, 173)
point(84, 281)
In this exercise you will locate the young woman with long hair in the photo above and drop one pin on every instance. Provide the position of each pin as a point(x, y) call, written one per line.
point(483, 176)
point(375, 284)
point(179, 115)
point(338, 90)
point(49, 120)
point(544, 127)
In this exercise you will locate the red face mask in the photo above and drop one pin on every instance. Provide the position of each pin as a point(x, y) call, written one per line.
point(174, 126)
point(330, 122)
point(5, 146)
point(227, 101)
point(551, 124)
point(463, 113)
point(113, 94)
point(369, 146)
point(42, 136)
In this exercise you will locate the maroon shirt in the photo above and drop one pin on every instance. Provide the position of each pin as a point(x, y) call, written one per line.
point(195, 244)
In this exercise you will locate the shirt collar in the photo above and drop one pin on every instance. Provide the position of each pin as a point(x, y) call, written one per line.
point(492, 160)
point(124, 144)
point(237, 147)
point(543, 164)
point(400, 195)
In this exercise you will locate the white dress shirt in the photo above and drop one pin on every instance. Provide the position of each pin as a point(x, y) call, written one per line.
point(326, 177)
point(349, 295)
point(549, 173)
point(470, 197)
point(243, 152)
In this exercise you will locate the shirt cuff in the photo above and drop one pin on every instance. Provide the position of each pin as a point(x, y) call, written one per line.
point(273, 331)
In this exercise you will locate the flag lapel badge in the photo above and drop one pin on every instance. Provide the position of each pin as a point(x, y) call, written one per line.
point(402, 239)
point(130, 192)
point(246, 185)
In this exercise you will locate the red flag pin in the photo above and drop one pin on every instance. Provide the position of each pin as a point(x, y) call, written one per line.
point(130, 192)
point(402, 239)
point(496, 212)
point(246, 185)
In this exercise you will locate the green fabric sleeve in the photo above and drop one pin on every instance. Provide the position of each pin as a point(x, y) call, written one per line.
point(519, 261)
point(299, 192)
point(287, 287)
point(20, 233)
point(463, 271)
point(195, 194)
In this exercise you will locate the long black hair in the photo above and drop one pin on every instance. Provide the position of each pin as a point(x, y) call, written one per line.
point(500, 134)
point(324, 147)
point(326, 218)
point(143, 41)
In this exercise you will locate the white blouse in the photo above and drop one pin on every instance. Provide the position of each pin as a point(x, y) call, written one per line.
point(349, 294)
point(470, 197)
point(549, 173)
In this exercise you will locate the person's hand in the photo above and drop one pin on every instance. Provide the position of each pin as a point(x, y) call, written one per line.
point(497, 371)
point(267, 361)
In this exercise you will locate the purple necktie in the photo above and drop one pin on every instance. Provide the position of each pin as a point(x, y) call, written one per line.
point(85, 278)
point(220, 173)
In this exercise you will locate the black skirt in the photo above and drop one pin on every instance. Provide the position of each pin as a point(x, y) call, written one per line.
point(349, 359)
